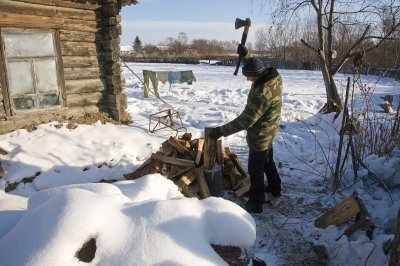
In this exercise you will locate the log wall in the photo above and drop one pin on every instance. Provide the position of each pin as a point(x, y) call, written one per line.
point(89, 46)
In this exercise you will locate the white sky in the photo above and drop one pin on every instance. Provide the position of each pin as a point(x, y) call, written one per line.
point(147, 221)
point(155, 20)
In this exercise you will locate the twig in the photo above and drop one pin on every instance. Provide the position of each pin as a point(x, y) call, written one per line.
point(376, 177)
point(372, 251)
point(301, 160)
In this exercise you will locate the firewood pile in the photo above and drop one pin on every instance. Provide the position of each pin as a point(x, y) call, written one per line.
point(185, 160)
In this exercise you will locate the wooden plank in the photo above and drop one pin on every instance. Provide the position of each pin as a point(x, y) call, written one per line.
point(174, 161)
point(83, 86)
point(199, 150)
point(210, 150)
point(340, 213)
point(46, 10)
point(202, 183)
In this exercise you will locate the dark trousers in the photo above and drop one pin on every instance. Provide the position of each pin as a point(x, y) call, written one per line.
point(258, 164)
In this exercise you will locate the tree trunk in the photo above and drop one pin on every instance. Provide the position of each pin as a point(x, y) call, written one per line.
point(395, 255)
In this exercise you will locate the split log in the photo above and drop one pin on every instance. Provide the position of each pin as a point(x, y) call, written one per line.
point(243, 190)
point(185, 180)
point(210, 150)
point(340, 213)
point(202, 183)
point(148, 167)
point(177, 145)
point(233, 157)
point(199, 151)
point(174, 161)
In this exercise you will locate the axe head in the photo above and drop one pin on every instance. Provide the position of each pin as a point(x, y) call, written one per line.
point(242, 23)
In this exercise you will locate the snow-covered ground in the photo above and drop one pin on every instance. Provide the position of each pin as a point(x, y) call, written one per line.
point(148, 222)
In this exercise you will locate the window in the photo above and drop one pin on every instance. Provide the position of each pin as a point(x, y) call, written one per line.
point(31, 63)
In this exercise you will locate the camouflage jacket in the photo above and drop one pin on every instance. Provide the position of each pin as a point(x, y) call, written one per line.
point(261, 115)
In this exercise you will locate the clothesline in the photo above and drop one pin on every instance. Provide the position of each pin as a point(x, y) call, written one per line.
point(165, 76)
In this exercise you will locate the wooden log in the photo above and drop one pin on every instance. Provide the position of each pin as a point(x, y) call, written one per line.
point(79, 36)
point(111, 10)
point(111, 44)
point(84, 86)
point(31, 21)
point(63, 3)
point(220, 153)
point(188, 192)
point(210, 150)
point(80, 61)
point(84, 99)
point(185, 180)
point(179, 172)
point(202, 183)
point(340, 213)
point(82, 73)
point(242, 191)
point(233, 157)
point(167, 149)
point(199, 151)
point(112, 56)
point(112, 21)
point(46, 10)
point(174, 161)
point(243, 182)
point(111, 32)
point(177, 146)
point(148, 167)
point(79, 49)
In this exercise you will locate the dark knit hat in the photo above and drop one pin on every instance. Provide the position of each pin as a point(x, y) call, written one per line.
point(253, 67)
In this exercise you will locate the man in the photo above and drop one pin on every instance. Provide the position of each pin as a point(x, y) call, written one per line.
point(260, 117)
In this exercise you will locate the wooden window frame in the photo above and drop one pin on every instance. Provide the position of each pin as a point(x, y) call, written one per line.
point(5, 79)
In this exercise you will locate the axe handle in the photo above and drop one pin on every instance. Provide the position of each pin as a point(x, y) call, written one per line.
point(243, 42)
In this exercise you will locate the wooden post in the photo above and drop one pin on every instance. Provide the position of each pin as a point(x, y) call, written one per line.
point(210, 150)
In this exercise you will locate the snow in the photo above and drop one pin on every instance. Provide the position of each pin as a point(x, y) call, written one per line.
point(147, 221)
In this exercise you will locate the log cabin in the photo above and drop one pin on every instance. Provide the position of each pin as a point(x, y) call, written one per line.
point(60, 58)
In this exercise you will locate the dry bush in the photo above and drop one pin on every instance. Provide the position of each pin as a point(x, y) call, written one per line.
point(376, 132)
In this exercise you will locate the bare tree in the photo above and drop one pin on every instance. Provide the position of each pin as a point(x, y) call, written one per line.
point(350, 16)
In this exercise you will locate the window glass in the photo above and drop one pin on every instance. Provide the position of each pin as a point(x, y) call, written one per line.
point(46, 75)
point(25, 103)
point(24, 44)
point(49, 100)
point(21, 77)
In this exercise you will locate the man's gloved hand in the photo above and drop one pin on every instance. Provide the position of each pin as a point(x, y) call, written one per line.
point(242, 50)
point(214, 132)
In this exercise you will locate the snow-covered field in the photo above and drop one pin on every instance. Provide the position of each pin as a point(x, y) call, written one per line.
point(148, 222)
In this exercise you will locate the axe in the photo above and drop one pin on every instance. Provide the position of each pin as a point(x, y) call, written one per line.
point(238, 24)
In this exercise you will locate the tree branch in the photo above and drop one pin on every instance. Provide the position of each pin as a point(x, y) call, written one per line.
point(350, 51)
